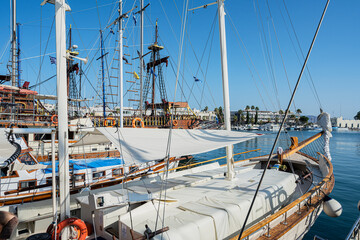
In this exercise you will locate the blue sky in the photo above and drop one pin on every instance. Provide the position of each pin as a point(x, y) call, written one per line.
point(256, 77)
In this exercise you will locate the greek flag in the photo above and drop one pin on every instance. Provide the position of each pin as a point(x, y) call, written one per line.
point(152, 72)
point(134, 19)
point(196, 79)
point(52, 60)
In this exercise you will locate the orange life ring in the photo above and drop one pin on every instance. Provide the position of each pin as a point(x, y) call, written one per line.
point(53, 117)
point(82, 231)
point(175, 122)
point(112, 121)
point(137, 119)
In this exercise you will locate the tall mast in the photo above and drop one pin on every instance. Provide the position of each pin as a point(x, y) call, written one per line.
point(61, 72)
point(68, 65)
point(13, 45)
point(225, 82)
point(141, 54)
point(18, 55)
point(153, 76)
point(102, 73)
point(121, 66)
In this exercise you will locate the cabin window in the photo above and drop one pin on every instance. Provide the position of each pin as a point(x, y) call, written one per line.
point(94, 149)
point(48, 180)
point(117, 172)
point(27, 159)
point(5, 173)
point(26, 184)
point(107, 149)
point(80, 177)
point(71, 135)
point(98, 175)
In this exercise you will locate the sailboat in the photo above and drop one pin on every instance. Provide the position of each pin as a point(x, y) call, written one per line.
point(93, 165)
point(210, 201)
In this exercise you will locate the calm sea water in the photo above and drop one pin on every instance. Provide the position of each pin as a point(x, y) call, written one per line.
point(345, 152)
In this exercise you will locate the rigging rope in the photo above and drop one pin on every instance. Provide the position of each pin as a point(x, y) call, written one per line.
point(284, 119)
point(42, 60)
point(248, 65)
point(281, 55)
point(298, 42)
point(192, 48)
point(266, 52)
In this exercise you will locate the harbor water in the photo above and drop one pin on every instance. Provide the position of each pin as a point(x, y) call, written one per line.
point(345, 152)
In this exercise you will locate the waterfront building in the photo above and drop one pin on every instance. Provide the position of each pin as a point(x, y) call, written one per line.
point(344, 123)
point(266, 116)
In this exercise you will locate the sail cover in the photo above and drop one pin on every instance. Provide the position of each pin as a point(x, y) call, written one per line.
point(145, 144)
point(6, 148)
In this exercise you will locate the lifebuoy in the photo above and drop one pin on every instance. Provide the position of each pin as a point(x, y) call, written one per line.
point(82, 231)
point(112, 122)
point(175, 122)
point(137, 119)
point(53, 117)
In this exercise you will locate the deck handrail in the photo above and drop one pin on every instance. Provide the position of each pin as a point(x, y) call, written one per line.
point(211, 160)
point(297, 147)
point(354, 230)
point(283, 211)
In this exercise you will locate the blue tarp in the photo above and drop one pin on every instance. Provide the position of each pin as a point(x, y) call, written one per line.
point(79, 164)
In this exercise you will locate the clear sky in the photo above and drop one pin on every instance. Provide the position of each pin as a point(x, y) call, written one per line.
point(263, 51)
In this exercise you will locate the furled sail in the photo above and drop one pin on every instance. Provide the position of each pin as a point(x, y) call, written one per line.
point(8, 151)
point(144, 144)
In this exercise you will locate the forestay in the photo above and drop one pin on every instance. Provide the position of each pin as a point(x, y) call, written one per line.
point(144, 144)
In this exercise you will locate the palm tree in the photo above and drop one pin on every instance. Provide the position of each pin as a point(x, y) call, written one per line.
point(304, 119)
point(252, 107)
point(220, 115)
point(281, 111)
point(257, 108)
point(235, 119)
point(298, 111)
point(242, 119)
point(247, 107)
point(206, 109)
point(240, 112)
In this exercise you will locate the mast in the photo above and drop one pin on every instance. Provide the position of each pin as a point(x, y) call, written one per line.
point(102, 73)
point(13, 45)
point(153, 75)
point(18, 55)
point(68, 65)
point(62, 109)
point(225, 81)
point(121, 80)
point(141, 54)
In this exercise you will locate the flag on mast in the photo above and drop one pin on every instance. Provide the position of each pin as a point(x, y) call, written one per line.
point(52, 60)
point(136, 75)
point(135, 21)
point(196, 79)
point(152, 72)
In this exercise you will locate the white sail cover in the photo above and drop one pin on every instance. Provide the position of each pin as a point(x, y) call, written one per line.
point(6, 148)
point(145, 144)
